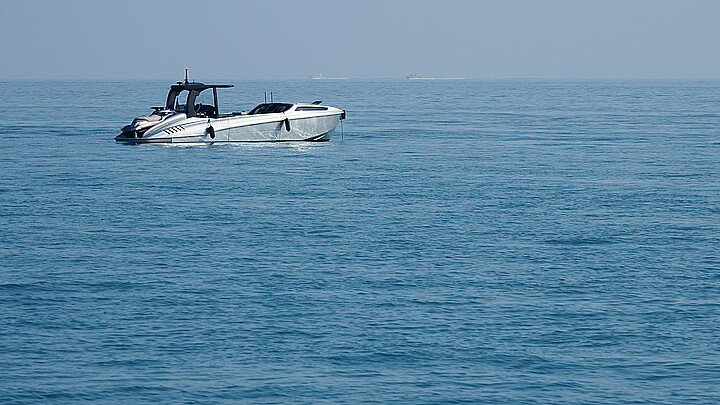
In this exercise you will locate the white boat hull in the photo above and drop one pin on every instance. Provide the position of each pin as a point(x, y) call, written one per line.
point(301, 129)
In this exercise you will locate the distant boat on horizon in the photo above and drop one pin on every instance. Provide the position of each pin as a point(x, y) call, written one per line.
point(321, 77)
point(414, 76)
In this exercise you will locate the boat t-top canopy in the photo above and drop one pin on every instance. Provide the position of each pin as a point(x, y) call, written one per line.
point(193, 90)
point(180, 86)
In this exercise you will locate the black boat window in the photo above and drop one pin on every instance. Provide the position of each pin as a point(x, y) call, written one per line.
point(269, 108)
point(311, 108)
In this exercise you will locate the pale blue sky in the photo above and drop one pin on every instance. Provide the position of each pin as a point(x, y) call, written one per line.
point(282, 39)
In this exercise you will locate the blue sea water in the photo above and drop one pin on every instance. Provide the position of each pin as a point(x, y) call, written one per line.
point(520, 241)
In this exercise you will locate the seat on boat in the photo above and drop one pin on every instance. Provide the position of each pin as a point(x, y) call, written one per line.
point(148, 118)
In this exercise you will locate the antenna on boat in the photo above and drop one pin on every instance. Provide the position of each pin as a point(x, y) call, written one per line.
point(266, 97)
point(186, 76)
point(271, 97)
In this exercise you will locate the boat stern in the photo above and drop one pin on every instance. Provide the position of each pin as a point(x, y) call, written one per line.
point(146, 128)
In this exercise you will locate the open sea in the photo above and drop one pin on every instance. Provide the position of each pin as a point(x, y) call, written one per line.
point(460, 241)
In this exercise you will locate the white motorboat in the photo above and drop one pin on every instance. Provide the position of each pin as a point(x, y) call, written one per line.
point(191, 115)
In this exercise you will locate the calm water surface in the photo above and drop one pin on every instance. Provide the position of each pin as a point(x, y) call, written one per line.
point(467, 241)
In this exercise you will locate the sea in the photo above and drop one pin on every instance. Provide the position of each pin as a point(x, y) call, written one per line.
point(457, 241)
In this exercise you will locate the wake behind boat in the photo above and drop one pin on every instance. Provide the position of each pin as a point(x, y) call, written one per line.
point(191, 115)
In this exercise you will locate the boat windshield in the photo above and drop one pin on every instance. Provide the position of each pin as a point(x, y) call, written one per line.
point(205, 97)
point(180, 100)
point(204, 103)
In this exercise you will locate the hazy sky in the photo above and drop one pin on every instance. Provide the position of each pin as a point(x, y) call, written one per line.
point(279, 39)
